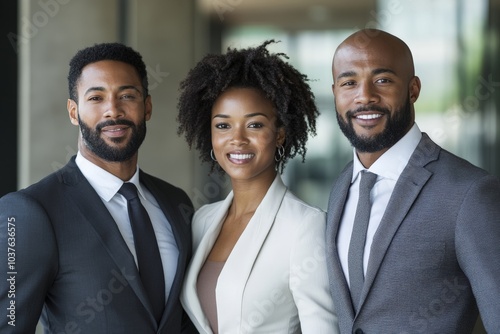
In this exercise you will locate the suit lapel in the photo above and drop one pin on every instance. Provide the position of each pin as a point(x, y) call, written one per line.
point(336, 205)
point(338, 282)
point(173, 212)
point(97, 215)
point(409, 185)
point(238, 267)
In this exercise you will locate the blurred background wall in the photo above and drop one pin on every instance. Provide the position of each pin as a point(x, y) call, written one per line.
point(455, 43)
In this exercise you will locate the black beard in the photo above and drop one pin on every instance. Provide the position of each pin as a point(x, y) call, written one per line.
point(92, 139)
point(396, 127)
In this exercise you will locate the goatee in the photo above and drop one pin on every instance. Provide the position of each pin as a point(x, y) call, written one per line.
point(396, 127)
point(92, 139)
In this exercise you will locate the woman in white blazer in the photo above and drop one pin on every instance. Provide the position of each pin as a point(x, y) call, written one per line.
point(259, 255)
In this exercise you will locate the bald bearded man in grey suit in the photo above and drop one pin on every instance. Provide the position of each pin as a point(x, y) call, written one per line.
point(430, 257)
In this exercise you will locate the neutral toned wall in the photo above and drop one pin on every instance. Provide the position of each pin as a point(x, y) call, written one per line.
point(52, 31)
point(47, 136)
point(163, 31)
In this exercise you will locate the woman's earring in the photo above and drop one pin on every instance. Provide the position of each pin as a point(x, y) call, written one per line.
point(281, 153)
point(212, 155)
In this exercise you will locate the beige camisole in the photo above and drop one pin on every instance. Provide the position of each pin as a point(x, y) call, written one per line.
point(207, 281)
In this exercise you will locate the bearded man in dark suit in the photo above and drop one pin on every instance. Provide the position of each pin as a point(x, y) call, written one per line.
point(76, 254)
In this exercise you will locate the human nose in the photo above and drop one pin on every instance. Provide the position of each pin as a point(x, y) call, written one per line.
point(366, 93)
point(239, 136)
point(113, 109)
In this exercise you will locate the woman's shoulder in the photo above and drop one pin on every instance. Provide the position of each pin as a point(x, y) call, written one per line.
point(206, 210)
point(203, 218)
point(304, 223)
point(299, 208)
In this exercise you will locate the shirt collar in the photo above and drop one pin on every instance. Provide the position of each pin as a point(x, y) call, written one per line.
point(391, 164)
point(105, 184)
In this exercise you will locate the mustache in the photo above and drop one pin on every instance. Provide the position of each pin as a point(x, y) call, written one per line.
point(350, 113)
point(114, 122)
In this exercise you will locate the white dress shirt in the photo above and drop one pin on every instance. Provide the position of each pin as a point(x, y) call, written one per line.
point(388, 168)
point(107, 185)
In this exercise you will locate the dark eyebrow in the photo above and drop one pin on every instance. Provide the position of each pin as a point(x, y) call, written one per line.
point(374, 72)
point(102, 89)
point(221, 116)
point(94, 89)
point(246, 116)
point(383, 70)
point(256, 114)
point(346, 74)
point(129, 87)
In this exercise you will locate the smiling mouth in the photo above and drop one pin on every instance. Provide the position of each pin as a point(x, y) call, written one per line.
point(368, 116)
point(241, 156)
point(115, 131)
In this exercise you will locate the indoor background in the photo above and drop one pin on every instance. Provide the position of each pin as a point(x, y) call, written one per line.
point(455, 44)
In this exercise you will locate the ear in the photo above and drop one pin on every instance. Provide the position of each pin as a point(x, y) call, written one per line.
point(280, 137)
point(72, 107)
point(148, 108)
point(414, 89)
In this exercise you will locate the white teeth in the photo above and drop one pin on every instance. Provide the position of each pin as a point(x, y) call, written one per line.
point(240, 156)
point(370, 116)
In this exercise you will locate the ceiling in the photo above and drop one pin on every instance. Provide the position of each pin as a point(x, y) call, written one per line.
point(292, 14)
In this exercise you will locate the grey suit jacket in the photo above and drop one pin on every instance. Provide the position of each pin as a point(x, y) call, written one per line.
point(71, 265)
point(435, 257)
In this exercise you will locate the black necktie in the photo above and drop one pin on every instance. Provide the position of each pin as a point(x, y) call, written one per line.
point(358, 237)
point(146, 249)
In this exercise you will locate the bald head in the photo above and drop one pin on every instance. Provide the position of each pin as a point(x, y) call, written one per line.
point(375, 88)
point(374, 43)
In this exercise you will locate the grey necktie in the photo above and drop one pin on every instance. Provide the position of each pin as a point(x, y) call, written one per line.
point(358, 237)
point(146, 248)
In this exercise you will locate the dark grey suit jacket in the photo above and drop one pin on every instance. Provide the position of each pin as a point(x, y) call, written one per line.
point(71, 264)
point(435, 257)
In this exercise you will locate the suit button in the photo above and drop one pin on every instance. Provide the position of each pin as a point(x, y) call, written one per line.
point(359, 331)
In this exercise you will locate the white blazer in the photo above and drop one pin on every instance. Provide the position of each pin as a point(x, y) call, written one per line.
point(275, 279)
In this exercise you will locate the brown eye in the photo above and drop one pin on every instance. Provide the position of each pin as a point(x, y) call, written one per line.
point(348, 83)
point(256, 125)
point(222, 126)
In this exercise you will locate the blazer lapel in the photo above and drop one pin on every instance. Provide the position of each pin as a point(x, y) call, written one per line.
point(338, 282)
point(210, 227)
point(410, 183)
point(238, 267)
point(97, 215)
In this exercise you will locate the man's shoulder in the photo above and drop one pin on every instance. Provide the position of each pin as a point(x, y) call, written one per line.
point(457, 166)
point(67, 175)
point(452, 172)
point(30, 199)
point(167, 190)
point(149, 179)
point(449, 161)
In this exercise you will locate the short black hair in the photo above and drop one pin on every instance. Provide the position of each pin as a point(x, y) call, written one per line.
point(105, 51)
point(254, 67)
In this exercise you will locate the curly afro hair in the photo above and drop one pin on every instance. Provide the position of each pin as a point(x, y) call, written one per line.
point(281, 83)
point(105, 51)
